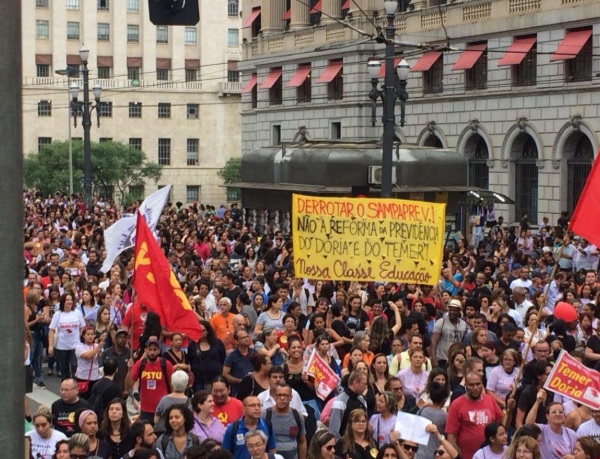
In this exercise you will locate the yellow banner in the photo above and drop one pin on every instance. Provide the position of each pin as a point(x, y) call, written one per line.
point(367, 239)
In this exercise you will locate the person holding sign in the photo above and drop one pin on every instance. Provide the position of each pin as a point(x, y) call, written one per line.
point(557, 440)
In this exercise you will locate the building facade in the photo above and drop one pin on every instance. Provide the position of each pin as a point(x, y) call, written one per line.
point(172, 91)
point(513, 85)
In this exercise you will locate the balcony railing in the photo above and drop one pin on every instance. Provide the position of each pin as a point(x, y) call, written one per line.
point(231, 88)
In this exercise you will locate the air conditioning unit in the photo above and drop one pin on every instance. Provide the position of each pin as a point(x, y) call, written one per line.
point(375, 173)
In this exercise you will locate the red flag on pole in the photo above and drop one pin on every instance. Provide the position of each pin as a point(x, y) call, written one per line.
point(157, 287)
point(586, 217)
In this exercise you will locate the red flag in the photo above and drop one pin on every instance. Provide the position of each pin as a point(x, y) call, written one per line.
point(157, 287)
point(326, 380)
point(586, 218)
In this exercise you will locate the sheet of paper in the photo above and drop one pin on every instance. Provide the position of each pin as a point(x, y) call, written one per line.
point(412, 428)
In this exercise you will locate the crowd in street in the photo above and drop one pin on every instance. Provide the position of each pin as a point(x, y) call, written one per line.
point(468, 356)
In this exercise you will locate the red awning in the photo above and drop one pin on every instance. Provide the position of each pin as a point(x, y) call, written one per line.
point(331, 71)
point(299, 77)
point(381, 73)
point(163, 63)
point(271, 79)
point(73, 59)
point(571, 45)
point(426, 61)
point(469, 56)
point(517, 51)
point(316, 8)
point(43, 59)
point(287, 15)
point(104, 61)
point(191, 64)
point(346, 5)
point(251, 84)
point(248, 22)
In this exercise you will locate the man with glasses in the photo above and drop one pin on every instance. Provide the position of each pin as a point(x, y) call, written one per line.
point(541, 353)
point(237, 363)
point(234, 440)
point(63, 409)
point(348, 401)
point(268, 398)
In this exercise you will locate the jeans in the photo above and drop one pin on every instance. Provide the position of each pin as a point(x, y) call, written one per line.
point(67, 361)
point(37, 349)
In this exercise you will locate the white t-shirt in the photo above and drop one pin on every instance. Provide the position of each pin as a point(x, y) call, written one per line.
point(44, 448)
point(589, 428)
point(68, 325)
point(83, 365)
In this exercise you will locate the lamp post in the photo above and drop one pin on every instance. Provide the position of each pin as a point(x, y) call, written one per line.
point(86, 115)
point(388, 94)
point(69, 73)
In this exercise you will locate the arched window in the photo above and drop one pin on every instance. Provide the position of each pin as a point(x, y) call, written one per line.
point(526, 178)
point(433, 141)
point(579, 166)
point(479, 174)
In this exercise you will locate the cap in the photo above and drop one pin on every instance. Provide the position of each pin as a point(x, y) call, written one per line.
point(455, 304)
point(546, 249)
point(152, 340)
point(122, 331)
point(75, 251)
point(516, 266)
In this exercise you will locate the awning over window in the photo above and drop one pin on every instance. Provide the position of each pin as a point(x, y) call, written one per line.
point(248, 22)
point(426, 61)
point(381, 73)
point(134, 62)
point(517, 51)
point(331, 72)
point(163, 64)
point(300, 76)
point(271, 78)
point(43, 59)
point(317, 8)
point(571, 45)
point(192, 64)
point(104, 61)
point(469, 56)
point(346, 5)
point(73, 59)
point(251, 84)
point(287, 15)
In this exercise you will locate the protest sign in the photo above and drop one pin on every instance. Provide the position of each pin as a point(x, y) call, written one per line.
point(366, 239)
point(326, 380)
point(412, 428)
point(570, 378)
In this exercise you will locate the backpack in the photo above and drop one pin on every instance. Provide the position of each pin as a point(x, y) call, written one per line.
point(236, 425)
point(269, 415)
point(163, 367)
point(164, 442)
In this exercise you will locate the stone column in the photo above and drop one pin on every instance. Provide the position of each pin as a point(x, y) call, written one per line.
point(271, 15)
point(300, 15)
point(331, 8)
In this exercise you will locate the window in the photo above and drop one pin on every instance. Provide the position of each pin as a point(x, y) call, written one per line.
point(580, 67)
point(233, 37)
point(191, 75)
point(164, 110)
point(133, 33)
point(103, 31)
point(254, 96)
point(103, 4)
point(73, 4)
point(41, 3)
point(72, 30)
point(276, 89)
point(315, 12)
point(43, 142)
point(233, 76)
point(335, 88)
point(336, 130)
point(42, 29)
point(193, 111)
point(105, 109)
point(525, 73)
point(135, 143)
point(104, 73)
point(73, 68)
point(433, 79)
point(162, 74)
point(43, 70)
point(193, 152)
point(136, 192)
point(276, 134)
point(476, 76)
point(192, 193)
point(304, 91)
point(105, 139)
point(479, 173)
point(133, 6)
point(135, 109)
point(233, 8)
point(133, 73)
point(44, 108)
point(164, 152)
point(191, 36)
point(162, 34)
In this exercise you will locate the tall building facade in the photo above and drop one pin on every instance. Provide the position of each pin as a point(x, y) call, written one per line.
point(513, 85)
point(171, 91)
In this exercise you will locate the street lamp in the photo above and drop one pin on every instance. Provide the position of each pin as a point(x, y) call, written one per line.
point(86, 115)
point(388, 94)
point(69, 73)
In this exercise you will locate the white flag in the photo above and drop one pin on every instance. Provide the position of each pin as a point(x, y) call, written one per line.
point(121, 235)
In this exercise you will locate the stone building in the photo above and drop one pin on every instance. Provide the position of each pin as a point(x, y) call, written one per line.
point(513, 85)
point(171, 91)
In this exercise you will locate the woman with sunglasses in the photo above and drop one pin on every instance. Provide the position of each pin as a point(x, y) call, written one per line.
point(79, 446)
point(494, 445)
point(322, 446)
point(446, 450)
point(357, 441)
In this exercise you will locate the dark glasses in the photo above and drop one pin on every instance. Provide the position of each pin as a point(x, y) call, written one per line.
point(414, 449)
point(330, 447)
point(439, 452)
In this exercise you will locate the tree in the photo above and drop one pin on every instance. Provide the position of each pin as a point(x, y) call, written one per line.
point(232, 171)
point(114, 165)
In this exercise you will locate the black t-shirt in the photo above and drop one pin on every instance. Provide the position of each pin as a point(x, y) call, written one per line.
point(118, 450)
point(356, 323)
point(594, 344)
point(527, 400)
point(101, 452)
point(359, 451)
point(64, 415)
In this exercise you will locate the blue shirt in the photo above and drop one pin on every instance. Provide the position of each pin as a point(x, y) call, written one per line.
point(237, 444)
point(240, 366)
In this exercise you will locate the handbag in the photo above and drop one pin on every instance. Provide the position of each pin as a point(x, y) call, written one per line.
point(84, 386)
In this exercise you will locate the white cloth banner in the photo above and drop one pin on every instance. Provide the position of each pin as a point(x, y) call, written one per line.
point(121, 235)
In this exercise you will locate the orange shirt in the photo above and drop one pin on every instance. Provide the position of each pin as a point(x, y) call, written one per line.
point(367, 358)
point(223, 326)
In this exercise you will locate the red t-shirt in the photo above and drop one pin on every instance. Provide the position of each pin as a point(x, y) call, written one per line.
point(139, 320)
point(229, 412)
point(467, 420)
point(153, 384)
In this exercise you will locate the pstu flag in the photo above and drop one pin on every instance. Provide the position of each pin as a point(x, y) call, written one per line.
point(586, 217)
point(157, 287)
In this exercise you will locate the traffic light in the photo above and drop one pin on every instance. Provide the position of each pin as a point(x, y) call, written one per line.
point(174, 12)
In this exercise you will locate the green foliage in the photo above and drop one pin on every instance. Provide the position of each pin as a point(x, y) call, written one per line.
point(113, 165)
point(232, 171)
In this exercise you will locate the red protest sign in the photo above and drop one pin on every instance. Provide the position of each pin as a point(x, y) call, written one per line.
point(572, 379)
point(326, 380)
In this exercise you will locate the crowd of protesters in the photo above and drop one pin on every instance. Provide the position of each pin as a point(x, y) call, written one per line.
point(449, 353)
